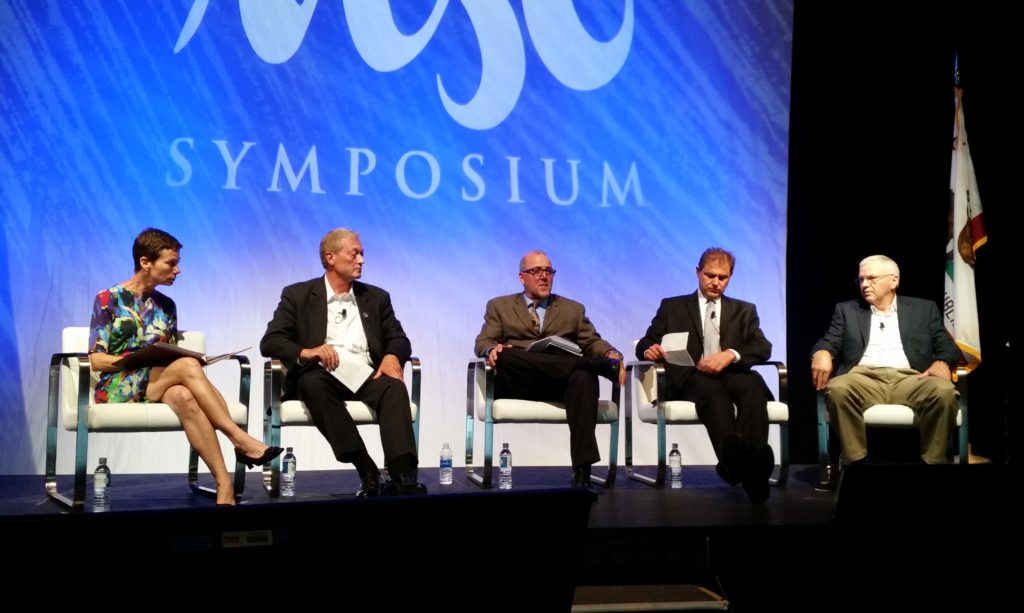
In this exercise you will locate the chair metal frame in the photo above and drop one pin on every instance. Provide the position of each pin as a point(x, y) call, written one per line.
point(76, 502)
point(828, 472)
point(273, 387)
point(635, 374)
point(480, 384)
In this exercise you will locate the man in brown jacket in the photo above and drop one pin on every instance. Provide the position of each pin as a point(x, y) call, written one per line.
point(512, 323)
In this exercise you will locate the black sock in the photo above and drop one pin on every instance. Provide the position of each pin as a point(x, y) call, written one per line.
point(365, 465)
point(401, 465)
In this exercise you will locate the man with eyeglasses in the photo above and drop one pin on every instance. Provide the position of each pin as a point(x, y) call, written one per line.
point(726, 334)
point(512, 323)
point(891, 350)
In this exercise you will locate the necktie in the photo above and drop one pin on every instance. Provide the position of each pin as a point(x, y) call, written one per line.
point(534, 318)
point(710, 330)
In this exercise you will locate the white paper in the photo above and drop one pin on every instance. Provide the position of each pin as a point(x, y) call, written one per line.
point(674, 345)
point(352, 369)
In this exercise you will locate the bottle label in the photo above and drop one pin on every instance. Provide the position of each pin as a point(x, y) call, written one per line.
point(446, 462)
point(99, 481)
point(289, 468)
point(505, 462)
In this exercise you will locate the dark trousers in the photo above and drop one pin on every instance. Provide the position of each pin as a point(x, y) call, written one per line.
point(325, 398)
point(715, 397)
point(561, 378)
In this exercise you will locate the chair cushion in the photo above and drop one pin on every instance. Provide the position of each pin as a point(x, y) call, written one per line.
point(681, 412)
point(895, 416)
point(139, 416)
point(295, 413)
point(508, 410)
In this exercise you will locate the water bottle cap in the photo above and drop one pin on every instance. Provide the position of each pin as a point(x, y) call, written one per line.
point(103, 460)
point(288, 449)
point(445, 446)
point(504, 445)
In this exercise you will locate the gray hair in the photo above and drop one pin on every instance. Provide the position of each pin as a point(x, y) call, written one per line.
point(888, 264)
point(331, 242)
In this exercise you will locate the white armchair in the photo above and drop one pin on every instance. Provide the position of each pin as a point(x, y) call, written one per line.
point(279, 413)
point(887, 416)
point(71, 402)
point(480, 400)
point(644, 379)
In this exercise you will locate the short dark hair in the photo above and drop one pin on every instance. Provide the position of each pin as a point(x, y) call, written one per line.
point(717, 253)
point(149, 243)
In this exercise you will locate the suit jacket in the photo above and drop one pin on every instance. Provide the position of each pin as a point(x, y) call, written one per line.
point(740, 330)
point(300, 322)
point(507, 321)
point(924, 338)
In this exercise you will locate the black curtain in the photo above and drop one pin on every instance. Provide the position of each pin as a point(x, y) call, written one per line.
point(871, 131)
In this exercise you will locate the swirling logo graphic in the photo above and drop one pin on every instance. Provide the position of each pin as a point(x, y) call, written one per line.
point(276, 28)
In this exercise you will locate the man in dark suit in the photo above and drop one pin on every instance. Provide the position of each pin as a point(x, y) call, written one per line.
point(891, 350)
point(513, 322)
point(722, 377)
point(340, 340)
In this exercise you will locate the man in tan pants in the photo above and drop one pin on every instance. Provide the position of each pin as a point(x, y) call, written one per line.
point(889, 351)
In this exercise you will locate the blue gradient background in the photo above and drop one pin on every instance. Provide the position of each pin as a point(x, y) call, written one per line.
point(92, 95)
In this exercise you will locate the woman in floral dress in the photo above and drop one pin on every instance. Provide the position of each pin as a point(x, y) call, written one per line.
point(132, 315)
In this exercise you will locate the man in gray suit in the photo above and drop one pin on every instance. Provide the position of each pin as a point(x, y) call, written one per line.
point(513, 322)
point(891, 350)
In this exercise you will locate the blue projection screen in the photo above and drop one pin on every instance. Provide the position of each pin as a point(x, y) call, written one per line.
point(622, 137)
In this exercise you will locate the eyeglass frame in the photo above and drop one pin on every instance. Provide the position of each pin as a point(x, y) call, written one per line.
point(537, 270)
point(873, 279)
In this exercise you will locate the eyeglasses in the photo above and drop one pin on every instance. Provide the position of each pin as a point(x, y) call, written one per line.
point(538, 271)
point(873, 279)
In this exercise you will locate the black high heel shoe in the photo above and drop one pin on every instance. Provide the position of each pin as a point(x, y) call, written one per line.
point(268, 455)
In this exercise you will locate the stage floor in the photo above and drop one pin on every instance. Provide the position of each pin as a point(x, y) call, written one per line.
point(706, 534)
point(530, 548)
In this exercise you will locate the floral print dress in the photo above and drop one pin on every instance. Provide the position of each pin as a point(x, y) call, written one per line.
point(123, 322)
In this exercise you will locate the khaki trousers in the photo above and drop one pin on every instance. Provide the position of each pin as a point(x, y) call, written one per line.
point(933, 399)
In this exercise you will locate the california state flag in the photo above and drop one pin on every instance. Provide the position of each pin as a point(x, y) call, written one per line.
point(966, 235)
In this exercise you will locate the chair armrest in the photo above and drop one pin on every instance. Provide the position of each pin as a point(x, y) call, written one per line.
point(244, 379)
point(415, 367)
point(783, 373)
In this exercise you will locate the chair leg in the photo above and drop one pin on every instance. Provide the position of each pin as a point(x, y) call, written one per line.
point(783, 472)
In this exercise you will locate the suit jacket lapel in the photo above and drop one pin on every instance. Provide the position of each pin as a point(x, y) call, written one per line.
point(696, 342)
point(318, 313)
point(522, 313)
point(905, 314)
point(369, 318)
point(552, 312)
point(864, 324)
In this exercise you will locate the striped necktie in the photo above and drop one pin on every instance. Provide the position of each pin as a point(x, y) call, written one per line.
point(534, 318)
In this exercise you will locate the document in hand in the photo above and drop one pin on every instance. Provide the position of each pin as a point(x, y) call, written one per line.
point(551, 343)
point(162, 354)
point(674, 345)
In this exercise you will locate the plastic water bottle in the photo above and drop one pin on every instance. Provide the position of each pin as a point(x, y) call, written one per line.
point(505, 468)
point(101, 488)
point(675, 465)
point(445, 475)
point(288, 473)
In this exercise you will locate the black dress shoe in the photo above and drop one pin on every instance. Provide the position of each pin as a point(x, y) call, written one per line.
point(581, 478)
point(727, 475)
point(405, 485)
point(606, 367)
point(368, 488)
point(267, 457)
point(761, 466)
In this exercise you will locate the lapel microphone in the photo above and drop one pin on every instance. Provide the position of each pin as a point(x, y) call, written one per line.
point(881, 325)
